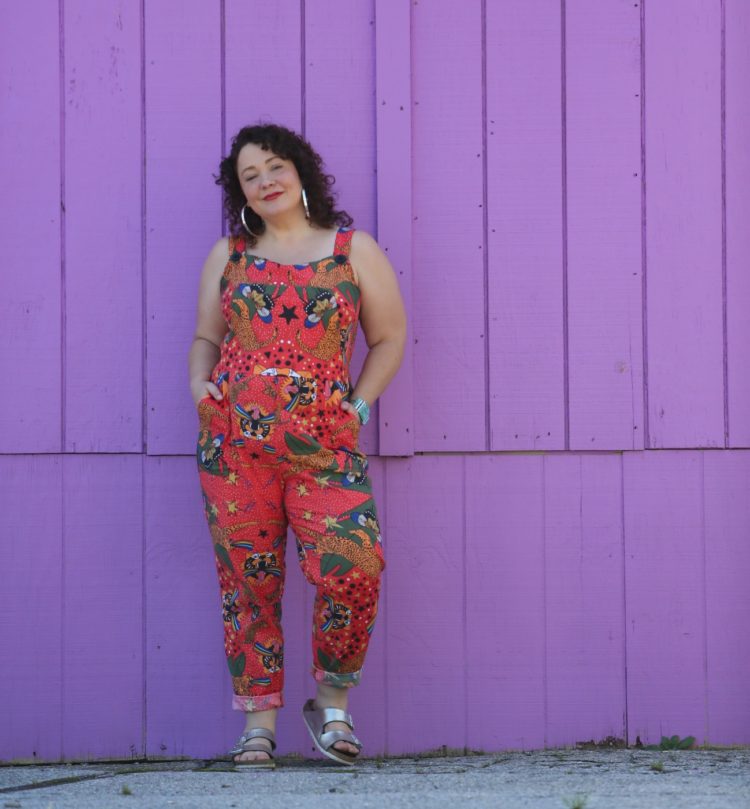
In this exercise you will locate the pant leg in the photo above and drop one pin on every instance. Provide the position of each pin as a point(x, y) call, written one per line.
point(334, 517)
point(242, 499)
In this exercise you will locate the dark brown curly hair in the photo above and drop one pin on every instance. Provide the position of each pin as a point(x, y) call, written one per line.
point(309, 164)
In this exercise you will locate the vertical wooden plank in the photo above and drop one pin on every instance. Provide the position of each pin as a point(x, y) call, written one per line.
point(339, 122)
point(426, 676)
point(394, 162)
point(727, 550)
point(665, 595)
point(448, 234)
point(262, 64)
point(103, 166)
point(737, 169)
point(525, 226)
point(683, 230)
point(188, 685)
point(31, 608)
point(183, 205)
point(603, 181)
point(30, 225)
point(505, 620)
point(584, 598)
point(102, 612)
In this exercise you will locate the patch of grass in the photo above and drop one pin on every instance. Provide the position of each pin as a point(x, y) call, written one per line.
point(673, 743)
point(657, 766)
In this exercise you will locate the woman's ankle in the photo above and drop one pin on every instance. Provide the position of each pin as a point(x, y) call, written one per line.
point(261, 719)
point(329, 696)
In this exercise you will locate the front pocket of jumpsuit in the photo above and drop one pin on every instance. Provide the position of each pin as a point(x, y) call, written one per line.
point(346, 428)
point(213, 435)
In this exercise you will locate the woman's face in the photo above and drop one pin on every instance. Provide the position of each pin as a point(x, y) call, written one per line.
point(270, 183)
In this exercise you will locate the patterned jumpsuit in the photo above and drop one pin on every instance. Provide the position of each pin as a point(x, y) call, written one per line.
point(279, 449)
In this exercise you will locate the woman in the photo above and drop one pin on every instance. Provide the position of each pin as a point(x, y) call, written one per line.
point(280, 301)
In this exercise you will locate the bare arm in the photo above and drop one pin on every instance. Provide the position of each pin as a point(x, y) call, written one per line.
point(382, 317)
point(211, 327)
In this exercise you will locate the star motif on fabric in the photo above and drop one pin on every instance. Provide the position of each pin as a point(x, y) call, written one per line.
point(330, 522)
point(214, 510)
point(355, 574)
point(289, 314)
point(302, 490)
point(323, 481)
point(232, 478)
point(263, 533)
point(307, 515)
point(232, 507)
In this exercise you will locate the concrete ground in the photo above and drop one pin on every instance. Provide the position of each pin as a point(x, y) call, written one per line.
point(573, 778)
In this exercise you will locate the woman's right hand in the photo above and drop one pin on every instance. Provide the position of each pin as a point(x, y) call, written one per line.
point(204, 387)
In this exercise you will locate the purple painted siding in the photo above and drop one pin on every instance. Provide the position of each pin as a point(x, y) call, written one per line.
point(561, 465)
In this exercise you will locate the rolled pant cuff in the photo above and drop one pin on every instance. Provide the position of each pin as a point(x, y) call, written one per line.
point(337, 679)
point(264, 702)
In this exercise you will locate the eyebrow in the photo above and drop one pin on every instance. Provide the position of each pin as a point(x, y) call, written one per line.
point(252, 166)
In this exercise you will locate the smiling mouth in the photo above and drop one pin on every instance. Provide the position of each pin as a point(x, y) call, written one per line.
point(272, 196)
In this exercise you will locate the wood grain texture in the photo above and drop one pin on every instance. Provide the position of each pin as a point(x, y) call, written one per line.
point(31, 608)
point(665, 595)
point(737, 191)
point(103, 621)
point(30, 173)
point(263, 71)
point(394, 170)
point(683, 224)
point(603, 219)
point(584, 598)
point(726, 482)
point(183, 206)
point(448, 231)
point(504, 644)
point(525, 226)
point(104, 373)
point(426, 666)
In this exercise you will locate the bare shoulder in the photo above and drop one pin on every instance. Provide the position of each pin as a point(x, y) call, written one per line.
point(211, 325)
point(218, 256)
point(364, 246)
point(382, 312)
point(367, 258)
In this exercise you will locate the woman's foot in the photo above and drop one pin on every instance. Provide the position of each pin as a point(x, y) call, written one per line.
point(258, 719)
point(330, 697)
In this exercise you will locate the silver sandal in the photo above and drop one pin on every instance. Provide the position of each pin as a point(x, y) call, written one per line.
point(246, 745)
point(317, 718)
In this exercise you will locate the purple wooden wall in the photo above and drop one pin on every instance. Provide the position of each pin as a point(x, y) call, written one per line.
point(561, 465)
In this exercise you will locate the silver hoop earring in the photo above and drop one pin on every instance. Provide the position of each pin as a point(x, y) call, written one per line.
point(304, 202)
point(244, 223)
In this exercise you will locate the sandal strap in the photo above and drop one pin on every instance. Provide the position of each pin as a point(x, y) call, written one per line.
point(243, 743)
point(330, 737)
point(334, 715)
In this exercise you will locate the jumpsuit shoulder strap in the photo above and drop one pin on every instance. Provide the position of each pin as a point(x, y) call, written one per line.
point(343, 242)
